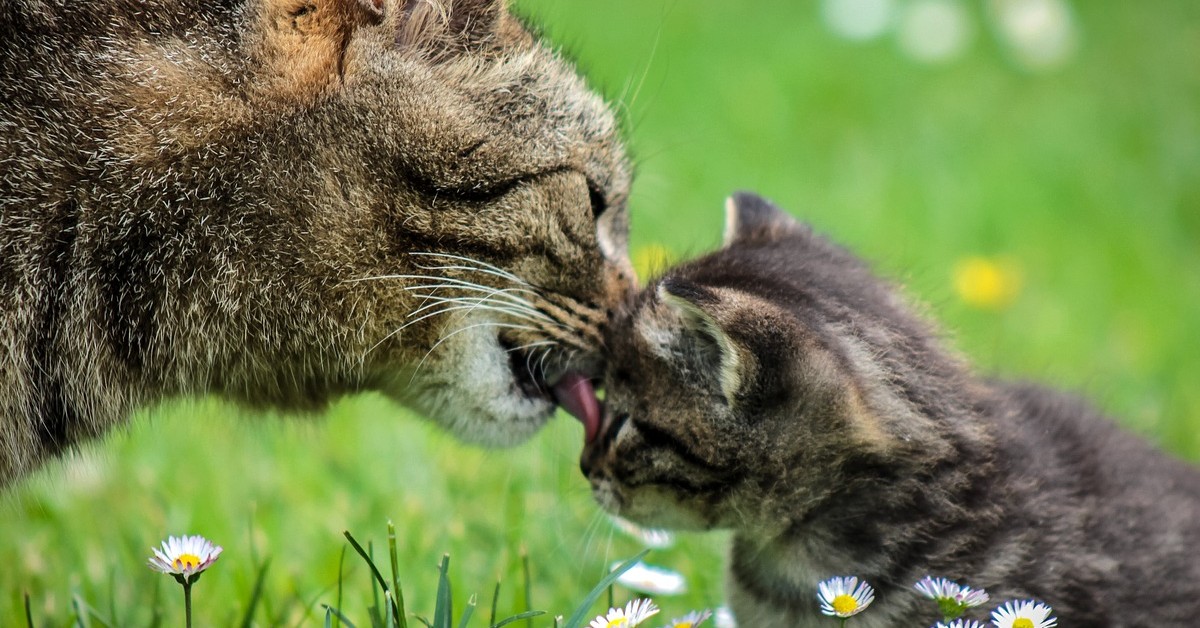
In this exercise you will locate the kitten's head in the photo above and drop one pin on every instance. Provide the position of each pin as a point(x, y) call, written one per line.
point(451, 194)
point(744, 387)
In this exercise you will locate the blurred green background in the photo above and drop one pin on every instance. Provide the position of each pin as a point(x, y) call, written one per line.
point(1029, 169)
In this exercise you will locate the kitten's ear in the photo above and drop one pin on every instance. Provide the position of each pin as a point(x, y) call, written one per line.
point(749, 216)
point(303, 44)
point(704, 341)
point(441, 28)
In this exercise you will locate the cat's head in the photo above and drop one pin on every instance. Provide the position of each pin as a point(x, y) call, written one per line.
point(459, 202)
point(746, 386)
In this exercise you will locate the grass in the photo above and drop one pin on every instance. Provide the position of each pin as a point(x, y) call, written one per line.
point(1086, 179)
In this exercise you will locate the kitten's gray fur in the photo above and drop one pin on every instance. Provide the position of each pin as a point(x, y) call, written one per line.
point(779, 389)
point(238, 196)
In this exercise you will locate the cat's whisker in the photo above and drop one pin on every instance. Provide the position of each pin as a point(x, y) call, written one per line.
point(477, 304)
point(480, 265)
point(486, 271)
point(522, 311)
point(464, 283)
point(461, 330)
point(531, 345)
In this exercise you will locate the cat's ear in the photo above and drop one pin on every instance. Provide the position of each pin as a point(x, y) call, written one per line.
point(693, 313)
point(749, 216)
point(303, 44)
point(441, 28)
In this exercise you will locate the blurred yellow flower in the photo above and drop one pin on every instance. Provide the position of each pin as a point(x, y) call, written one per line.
point(650, 260)
point(986, 283)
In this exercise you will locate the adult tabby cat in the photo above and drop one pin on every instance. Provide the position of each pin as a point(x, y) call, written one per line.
point(285, 200)
point(778, 389)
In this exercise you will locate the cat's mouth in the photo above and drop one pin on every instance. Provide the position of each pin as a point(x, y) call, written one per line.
point(571, 390)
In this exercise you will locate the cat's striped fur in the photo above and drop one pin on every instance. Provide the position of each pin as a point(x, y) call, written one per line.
point(284, 200)
point(777, 388)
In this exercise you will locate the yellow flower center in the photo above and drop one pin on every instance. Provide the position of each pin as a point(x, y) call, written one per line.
point(617, 623)
point(844, 604)
point(187, 561)
point(1022, 622)
point(684, 624)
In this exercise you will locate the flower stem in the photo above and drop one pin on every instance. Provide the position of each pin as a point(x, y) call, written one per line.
point(187, 602)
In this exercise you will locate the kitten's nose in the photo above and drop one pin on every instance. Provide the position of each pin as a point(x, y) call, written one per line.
point(593, 452)
point(595, 449)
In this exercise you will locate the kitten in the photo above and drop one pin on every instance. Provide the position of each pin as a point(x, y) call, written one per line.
point(282, 201)
point(778, 389)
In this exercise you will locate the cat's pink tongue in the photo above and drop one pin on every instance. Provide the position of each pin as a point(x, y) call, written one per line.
point(576, 395)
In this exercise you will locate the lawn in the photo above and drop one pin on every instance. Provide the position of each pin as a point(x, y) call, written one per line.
point(1077, 187)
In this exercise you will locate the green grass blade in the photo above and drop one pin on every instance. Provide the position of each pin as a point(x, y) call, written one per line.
point(378, 583)
point(337, 618)
point(28, 612)
point(80, 614)
point(255, 595)
point(467, 612)
point(491, 618)
point(519, 617)
point(424, 621)
point(87, 614)
point(528, 584)
point(338, 615)
point(443, 612)
point(577, 619)
point(389, 613)
point(397, 592)
point(374, 571)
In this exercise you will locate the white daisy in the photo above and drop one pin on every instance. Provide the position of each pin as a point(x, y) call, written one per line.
point(634, 613)
point(185, 556)
point(937, 588)
point(691, 620)
point(844, 596)
point(961, 623)
point(654, 580)
point(952, 598)
point(970, 598)
point(1023, 614)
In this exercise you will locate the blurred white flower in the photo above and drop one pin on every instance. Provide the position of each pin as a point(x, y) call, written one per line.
point(1041, 34)
point(934, 31)
point(857, 20)
point(723, 618)
point(653, 580)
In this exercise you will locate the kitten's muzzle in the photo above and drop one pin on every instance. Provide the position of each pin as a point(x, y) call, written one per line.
point(595, 450)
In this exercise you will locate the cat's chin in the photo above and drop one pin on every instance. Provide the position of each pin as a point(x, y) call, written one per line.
point(649, 508)
point(478, 389)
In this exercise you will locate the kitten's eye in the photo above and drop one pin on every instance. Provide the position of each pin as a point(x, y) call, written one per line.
point(596, 196)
